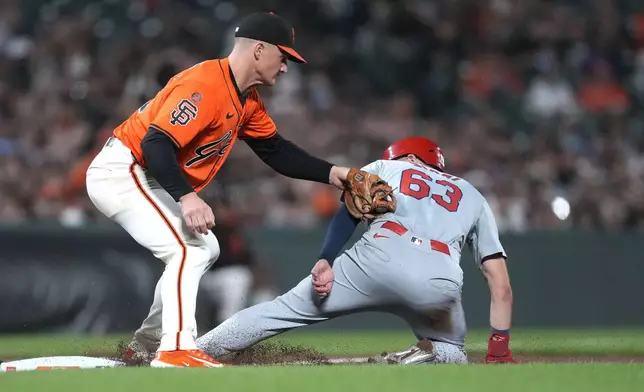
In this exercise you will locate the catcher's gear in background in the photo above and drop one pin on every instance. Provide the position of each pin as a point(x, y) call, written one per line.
point(367, 194)
point(498, 349)
point(423, 148)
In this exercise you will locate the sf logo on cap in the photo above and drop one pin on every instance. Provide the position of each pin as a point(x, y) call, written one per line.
point(185, 112)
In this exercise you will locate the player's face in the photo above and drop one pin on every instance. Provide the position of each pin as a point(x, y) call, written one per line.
point(271, 64)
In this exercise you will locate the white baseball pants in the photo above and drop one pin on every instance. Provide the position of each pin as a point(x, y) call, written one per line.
point(126, 193)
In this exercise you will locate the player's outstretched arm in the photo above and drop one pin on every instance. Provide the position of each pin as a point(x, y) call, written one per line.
point(291, 161)
point(496, 273)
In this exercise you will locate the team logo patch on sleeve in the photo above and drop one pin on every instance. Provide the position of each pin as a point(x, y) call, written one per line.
point(185, 112)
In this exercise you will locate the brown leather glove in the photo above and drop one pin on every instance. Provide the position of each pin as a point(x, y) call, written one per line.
point(367, 195)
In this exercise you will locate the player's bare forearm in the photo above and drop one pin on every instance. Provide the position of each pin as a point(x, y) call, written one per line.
point(496, 274)
point(501, 309)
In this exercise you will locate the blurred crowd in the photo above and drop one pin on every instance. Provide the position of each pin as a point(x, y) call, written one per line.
point(537, 103)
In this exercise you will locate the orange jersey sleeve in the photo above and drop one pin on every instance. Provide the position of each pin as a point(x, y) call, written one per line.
point(259, 125)
point(187, 110)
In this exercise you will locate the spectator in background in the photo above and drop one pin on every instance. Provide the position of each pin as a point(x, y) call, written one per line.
point(488, 73)
point(600, 93)
point(535, 97)
point(550, 95)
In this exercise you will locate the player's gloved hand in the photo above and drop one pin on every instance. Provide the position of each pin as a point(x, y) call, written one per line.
point(197, 214)
point(498, 349)
point(366, 195)
point(322, 278)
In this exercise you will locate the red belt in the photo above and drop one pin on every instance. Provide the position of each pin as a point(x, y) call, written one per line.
point(401, 230)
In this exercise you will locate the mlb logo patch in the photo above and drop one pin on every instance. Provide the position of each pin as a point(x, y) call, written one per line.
point(416, 241)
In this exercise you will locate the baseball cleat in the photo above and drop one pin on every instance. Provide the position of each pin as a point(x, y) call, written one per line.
point(184, 358)
point(421, 352)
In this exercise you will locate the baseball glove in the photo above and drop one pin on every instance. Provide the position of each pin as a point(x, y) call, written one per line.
point(366, 195)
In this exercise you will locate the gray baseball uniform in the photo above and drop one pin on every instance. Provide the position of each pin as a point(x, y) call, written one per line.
point(406, 263)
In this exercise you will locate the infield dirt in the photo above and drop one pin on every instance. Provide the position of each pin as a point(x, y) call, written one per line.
point(268, 353)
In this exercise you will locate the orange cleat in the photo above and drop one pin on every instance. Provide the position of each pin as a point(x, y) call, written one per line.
point(183, 358)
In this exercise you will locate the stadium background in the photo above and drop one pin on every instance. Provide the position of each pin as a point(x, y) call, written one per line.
point(537, 103)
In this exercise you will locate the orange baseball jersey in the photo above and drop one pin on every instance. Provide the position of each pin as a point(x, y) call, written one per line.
point(201, 112)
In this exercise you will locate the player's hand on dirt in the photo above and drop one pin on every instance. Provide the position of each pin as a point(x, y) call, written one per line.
point(338, 176)
point(197, 214)
point(498, 349)
point(322, 278)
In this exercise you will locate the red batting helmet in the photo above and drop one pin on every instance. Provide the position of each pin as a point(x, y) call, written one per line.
point(423, 148)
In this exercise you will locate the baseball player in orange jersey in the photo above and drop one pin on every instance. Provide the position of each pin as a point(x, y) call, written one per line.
point(147, 176)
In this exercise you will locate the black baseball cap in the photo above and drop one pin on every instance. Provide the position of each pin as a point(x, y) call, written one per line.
point(270, 28)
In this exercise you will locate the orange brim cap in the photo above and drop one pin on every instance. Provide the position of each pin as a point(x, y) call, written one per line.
point(292, 54)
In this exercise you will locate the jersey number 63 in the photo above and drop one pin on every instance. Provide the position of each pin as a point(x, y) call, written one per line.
point(415, 183)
